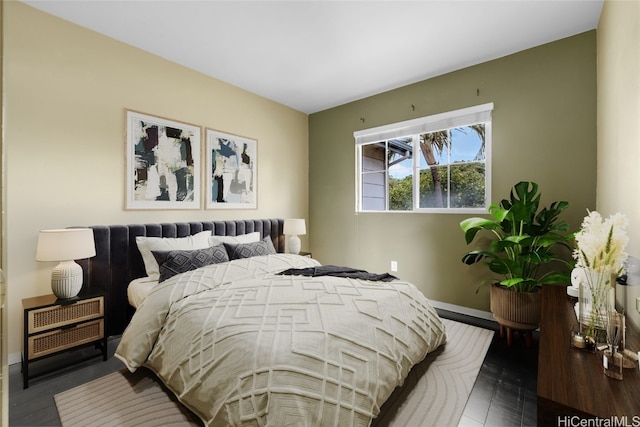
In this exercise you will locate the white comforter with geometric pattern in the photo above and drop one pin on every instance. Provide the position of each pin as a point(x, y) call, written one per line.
point(240, 345)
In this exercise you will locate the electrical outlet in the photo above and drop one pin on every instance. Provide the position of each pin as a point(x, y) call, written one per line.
point(394, 266)
point(638, 304)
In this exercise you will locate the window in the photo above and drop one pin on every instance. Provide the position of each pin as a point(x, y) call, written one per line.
point(438, 163)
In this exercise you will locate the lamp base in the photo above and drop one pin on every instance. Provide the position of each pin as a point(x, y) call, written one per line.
point(294, 244)
point(66, 279)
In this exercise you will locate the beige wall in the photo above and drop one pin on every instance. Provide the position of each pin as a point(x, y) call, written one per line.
point(618, 188)
point(544, 130)
point(4, 399)
point(66, 89)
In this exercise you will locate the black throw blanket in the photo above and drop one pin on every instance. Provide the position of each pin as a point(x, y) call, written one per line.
point(338, 271)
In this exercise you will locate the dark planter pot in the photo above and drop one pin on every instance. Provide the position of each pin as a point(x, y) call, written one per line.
point(515, 310)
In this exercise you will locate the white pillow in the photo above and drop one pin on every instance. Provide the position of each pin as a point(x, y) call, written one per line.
point(148, 244)
point(243, 238)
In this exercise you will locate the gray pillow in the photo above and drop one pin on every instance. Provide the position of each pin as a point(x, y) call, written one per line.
point(247, 250)
point(180, 261)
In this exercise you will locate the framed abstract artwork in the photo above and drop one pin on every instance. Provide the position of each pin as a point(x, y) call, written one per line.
point(163, 163)
point(231, 171)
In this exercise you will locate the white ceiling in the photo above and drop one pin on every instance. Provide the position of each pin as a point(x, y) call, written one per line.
point(314, 55)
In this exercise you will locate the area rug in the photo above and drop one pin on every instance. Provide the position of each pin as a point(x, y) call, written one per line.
point(437, 389)
point(435, 393)
point(122, 399)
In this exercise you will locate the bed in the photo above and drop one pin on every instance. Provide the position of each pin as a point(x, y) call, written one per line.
point(263, 337)
point(118, 261)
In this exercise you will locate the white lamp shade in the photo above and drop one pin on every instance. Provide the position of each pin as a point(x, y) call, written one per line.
point(294, 226)
point(65, 244)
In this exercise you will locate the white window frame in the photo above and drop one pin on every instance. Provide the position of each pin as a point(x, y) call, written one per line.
point(437, 122)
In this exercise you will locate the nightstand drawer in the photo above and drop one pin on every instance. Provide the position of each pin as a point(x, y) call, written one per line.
point(53, 326)
point(47, 318)
point(62, 339)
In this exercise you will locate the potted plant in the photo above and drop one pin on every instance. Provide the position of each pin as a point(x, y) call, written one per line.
point(521, 253)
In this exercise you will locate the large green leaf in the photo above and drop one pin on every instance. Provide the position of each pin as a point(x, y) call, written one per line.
point(476, 222)
point(547, 217)
point(505, 266)
point(498, 212)
point(525, 193)
point(512, 282)
point(474, 257)
point(471, 227)
point(556, 279)
point(521, 284)
point(519, 239)
point(499, 246)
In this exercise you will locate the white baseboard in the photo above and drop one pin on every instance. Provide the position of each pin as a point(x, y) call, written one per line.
point(14, 358)
point(463, 310)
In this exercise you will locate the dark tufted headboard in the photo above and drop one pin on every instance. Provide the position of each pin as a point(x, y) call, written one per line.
point(118, 261)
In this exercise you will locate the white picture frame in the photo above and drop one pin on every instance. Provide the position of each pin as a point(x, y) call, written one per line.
point(163, 163)
point(230, 171)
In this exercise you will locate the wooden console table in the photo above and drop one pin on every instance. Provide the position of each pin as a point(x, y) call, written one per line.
point(571, 381)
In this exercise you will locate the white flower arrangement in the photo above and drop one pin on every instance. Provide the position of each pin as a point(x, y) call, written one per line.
point(600, 253)
point(601, 243)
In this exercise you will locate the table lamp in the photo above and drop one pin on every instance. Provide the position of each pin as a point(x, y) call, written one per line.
point(66, 245)
point(293, 228)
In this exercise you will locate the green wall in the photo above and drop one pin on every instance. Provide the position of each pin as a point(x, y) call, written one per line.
point(544, 130)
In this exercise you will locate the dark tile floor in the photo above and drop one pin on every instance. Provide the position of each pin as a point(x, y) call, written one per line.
point(504, 394)
point(35, 406)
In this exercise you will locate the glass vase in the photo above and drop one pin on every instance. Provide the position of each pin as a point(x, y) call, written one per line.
point(612, 358)
point(612, 363)
point(595, 298)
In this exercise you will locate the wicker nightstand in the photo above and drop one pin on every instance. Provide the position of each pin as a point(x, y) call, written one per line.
point(52, 326)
